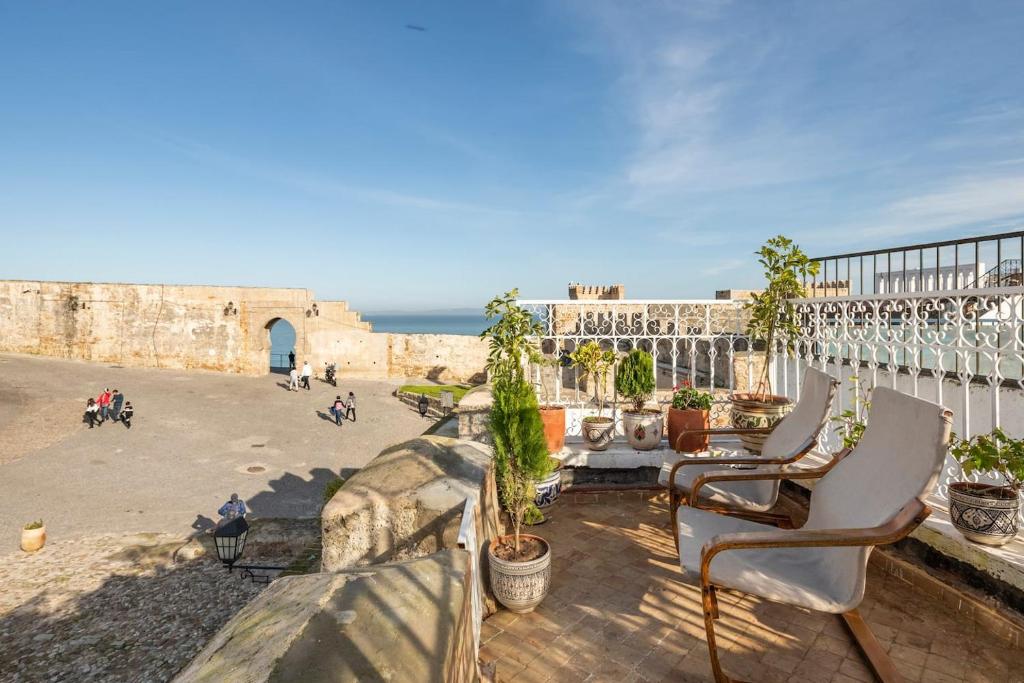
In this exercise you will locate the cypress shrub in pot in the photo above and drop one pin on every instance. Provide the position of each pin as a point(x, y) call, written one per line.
point(634, 381)
point(988, 513)
point(772, 321)
point(595, 363)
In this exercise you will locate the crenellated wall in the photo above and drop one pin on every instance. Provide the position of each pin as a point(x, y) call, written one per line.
point(226, 329)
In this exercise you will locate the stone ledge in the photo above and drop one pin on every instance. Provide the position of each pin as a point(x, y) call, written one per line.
point(410, 621)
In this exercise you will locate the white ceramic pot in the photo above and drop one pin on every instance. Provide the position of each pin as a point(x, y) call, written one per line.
point(33, 539)
point(520, 586)
point(598, 432)
point(643, 429)
point(984, 514)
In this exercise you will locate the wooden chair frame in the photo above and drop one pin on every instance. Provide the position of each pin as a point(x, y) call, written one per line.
point(900, 526)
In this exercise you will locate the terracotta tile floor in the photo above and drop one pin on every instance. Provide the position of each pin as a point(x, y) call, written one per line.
point(618, 611)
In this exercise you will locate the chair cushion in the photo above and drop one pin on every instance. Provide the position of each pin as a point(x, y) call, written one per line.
point(823, 579)
point(757, 496)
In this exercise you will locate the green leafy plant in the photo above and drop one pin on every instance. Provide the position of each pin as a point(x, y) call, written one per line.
point(772, 314)
point(38, 524)
point(850, 426)
point(520, 450)
point(995, 454)
point(594, 363)
point(634, 378)
point(685, 397)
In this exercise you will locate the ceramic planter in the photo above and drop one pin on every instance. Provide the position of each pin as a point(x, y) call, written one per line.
point(549, 489)
point(520, 586)
point(643, 429)
point(754, 410)
point(553, 418)
point(983, 513)
point(33, 539)
point(689, 418)
point(598, 432)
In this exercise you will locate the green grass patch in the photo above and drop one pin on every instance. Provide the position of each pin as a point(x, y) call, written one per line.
point(459, 390)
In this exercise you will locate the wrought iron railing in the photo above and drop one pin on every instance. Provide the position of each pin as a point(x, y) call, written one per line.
point(700, 341)
point(970, 263)
point(962, 349)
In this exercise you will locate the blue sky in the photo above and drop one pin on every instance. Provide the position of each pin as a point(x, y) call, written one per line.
point(327, 145)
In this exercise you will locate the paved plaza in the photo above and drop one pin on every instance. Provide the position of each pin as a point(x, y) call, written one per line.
point(196, 438)
point(619, 611)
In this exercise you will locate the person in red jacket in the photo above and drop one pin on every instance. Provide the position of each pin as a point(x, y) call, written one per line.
point(103, 401)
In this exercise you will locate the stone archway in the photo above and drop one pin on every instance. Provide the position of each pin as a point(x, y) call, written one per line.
point(266, 346)
point(282, 338)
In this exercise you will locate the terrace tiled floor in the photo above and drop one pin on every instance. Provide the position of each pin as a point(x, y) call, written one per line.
point(618, 610)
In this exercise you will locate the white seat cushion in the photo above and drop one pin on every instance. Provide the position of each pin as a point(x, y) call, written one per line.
point(823, 579)
point(756, 496)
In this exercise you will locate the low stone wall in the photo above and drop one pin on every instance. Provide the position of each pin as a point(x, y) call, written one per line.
point(410, 621)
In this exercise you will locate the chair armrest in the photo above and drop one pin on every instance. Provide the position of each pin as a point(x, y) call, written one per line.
point(719, 431)
point(905, 521)
point(810, 473)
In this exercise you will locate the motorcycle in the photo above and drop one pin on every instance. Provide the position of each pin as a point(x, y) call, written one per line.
point(329, 374)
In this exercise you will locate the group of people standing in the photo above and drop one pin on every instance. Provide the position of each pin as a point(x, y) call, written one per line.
point(109, 405)
point(294, 376)
point(346, 408)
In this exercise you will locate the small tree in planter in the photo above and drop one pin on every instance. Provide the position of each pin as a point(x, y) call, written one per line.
point(772, 318)
point(594, 364)
point(520, 564)
point(551, 414)
point(848, 425)
point(690, 410)
point(634, 381)
point(33, 536)
point(988, 513)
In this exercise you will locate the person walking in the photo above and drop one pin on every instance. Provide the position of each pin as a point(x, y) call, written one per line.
point(104, 403)
point(126, 414)
point(307, 372)
point(116, 401)
point(91, 410)
point(293, 379)
point(291, 358)
point(337, 409)
point(350, 406)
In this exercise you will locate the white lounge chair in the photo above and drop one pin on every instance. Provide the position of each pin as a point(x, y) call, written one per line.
point(791, 439)
point(872, 496)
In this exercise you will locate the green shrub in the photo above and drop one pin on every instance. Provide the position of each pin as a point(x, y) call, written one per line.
point(685, 397)
point(38, 524)
point(634, 378)
point(995, 454)
point(594, 363)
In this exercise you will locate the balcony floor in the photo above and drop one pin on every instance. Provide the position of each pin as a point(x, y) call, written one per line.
point(618, 610)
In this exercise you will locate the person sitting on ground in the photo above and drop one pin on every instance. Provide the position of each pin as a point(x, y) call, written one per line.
point(103, 400)
point(337, 409)
point(91, 410)
point(126, 414)
point(307, 372)
point(351, 406)
point(293, 379)
point(116, 401)
point(233, 509)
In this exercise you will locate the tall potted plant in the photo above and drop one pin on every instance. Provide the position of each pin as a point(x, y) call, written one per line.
point(520, 564)
point(690, 409)
point(594, 365)
point(772, 320)
point(552, 415)
point(634, 381)
point(988, 513)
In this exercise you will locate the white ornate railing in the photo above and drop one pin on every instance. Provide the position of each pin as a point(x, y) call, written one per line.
point(963, 349)
point(695, 340)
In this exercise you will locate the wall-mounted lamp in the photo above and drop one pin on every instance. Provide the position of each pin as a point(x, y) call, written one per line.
point(316, 311)
point(230, 309)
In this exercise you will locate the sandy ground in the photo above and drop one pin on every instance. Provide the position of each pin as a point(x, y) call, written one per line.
point(196, 438)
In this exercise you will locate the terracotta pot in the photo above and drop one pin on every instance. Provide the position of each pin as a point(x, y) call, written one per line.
point(643, 429)
point(553, 418)
point(984, 514)
point(598, 432)
point(33, 539)
point(689, 418)
point(755, 410)
point(520, 586)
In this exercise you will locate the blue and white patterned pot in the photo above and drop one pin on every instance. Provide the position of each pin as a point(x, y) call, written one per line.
point(984, 514)
point(548, 490)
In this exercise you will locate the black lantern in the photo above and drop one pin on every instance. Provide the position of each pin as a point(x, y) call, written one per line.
point(423, 404)
point(230, 540)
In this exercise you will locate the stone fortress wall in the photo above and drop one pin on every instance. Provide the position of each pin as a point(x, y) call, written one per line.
point(225, 329)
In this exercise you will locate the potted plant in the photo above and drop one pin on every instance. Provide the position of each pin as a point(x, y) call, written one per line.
point(690, 409)
point(520, 564)
point(849, 425)
point(772, 319)
point(634, 380)
point(594, 364)
point(553, 416)
point(550, 487)
point(33, 536)
point(988, 513)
